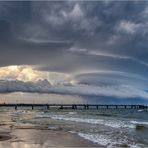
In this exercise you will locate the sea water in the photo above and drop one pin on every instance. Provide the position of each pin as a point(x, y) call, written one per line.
point(106, 127)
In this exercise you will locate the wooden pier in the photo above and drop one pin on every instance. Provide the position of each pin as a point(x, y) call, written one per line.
point(75, 106)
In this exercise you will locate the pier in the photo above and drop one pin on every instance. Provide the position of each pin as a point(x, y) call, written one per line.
point(74, 106)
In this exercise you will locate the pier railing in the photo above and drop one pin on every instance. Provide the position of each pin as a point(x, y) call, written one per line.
point(76, 106)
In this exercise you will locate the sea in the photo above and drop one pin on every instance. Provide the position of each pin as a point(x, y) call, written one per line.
point(106, 127)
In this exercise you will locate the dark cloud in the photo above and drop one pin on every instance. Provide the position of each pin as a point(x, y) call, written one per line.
point(77, 38)
point(43, 86)
point(45, 28)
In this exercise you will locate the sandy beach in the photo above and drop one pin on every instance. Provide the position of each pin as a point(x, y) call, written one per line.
point(33, 138)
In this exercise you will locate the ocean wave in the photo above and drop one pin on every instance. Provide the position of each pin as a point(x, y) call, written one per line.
point(140, 125)
point(109, 141)
point(96, 138)
point(139, 122)
point(110, 123)
point(21, 112)
point(119, 124)
point(106, 122)
point(84, 120)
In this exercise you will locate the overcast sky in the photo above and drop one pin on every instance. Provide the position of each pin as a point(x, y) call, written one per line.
point(88, 48)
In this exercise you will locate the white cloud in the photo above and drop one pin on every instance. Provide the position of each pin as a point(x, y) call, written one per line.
point(128, 26)
point(23, 73)
point(38, 40)
point(145, 13)
point(27, 73)
point(98, 53)
point(76, 13)
point(78, 50)
point(63, 15)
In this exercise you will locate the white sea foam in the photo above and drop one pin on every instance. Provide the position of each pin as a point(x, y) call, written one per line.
point(96, 138)
point(119, 124)
point(137, 146)
point(139, 122)
point(72, 113)
point(108, 141)
point(43, 116)
point(73, 132)
point(52, 128)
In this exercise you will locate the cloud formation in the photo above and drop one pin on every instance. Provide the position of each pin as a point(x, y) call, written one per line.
point(43, 86)
point(22, 73)
point(47, 31)
point(75, 40)
point(99, 83)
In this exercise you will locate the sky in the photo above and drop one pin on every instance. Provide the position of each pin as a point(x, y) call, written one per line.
point(84, 48)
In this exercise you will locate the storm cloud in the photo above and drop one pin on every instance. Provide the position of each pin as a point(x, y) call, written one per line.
point(98, 43)
point(43, 86)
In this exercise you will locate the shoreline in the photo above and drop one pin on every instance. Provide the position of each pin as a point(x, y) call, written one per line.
point(38, 138)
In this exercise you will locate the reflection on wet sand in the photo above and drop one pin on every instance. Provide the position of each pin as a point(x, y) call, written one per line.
point(34, 138)
point(21, 129)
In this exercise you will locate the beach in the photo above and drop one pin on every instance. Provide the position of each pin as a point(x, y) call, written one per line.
point(42, 128)
point(37, 138)
point(19, 130)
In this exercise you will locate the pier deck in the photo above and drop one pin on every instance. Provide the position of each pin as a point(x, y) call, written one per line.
point(76, 106)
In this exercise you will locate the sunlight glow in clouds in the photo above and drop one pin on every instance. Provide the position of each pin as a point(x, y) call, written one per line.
point(22, 73)
point(26, 78)
point(29, 73)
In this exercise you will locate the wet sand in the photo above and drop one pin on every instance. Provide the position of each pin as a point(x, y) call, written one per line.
point(33, 138)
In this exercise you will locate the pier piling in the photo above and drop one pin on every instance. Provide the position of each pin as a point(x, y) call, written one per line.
point(32, 107)
point(15, 107)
